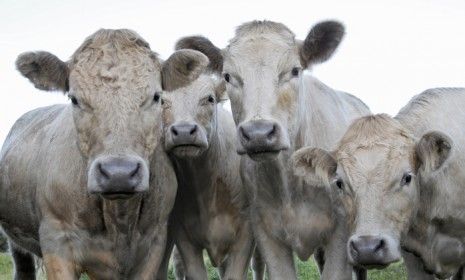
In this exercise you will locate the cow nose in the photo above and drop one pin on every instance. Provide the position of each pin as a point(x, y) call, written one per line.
point(368, 250)
point(184, 133)
point(118, 175)
point(261, 135)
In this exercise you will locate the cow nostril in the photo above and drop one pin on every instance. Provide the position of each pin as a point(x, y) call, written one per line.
point(380, 245)
point(353, 247)
point(174, 131)
point(272, 132)
point(244, 134)
point(135, 171)
point(193, 130)
point(103, 172)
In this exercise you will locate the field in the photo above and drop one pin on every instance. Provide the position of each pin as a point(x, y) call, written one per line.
point(307, 271)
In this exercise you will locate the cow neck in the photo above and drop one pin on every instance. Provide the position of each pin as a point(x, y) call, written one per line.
point(196, 176)
point(121, 216)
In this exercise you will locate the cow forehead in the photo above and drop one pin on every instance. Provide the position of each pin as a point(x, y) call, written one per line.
point(263, 50)
point(376, 166)
point(199, 88)
point(128, 74)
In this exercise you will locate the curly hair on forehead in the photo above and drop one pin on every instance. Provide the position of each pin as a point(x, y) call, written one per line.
point(118, 39)
point(371, 130)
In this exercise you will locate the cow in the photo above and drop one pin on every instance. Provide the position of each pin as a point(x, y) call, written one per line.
point(400, 181)
point(210, 210)
point(87, 186)
point(277, 109)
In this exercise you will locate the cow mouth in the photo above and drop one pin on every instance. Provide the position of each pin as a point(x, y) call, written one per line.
point(188, 150)
point(117, 195)
point(192, 146)
point(373, 266)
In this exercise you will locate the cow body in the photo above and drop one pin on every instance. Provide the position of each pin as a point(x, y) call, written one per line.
point(436, 233)
point(290, 215)
point(210, 211)
point(87, 186)
point(43, 170)
point(278, 109)
point(399, 181)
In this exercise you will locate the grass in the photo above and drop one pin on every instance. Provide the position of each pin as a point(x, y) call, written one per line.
point(306, 271)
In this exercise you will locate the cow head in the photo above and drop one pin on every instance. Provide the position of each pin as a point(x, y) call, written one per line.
point(190, 115)
point(262, 66)
point(114, 82)
point(374, 174)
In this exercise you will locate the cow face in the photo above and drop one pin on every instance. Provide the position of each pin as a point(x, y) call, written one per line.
point(374, 174)
point(114, 82)
point(262, 67)
point(190, 116)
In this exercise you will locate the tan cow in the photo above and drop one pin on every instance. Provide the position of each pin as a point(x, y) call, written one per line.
point(278, 109)
point(210, 210)
point(401, 182)
point(87, 186)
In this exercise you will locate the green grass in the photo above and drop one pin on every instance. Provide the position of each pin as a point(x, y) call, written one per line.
point(306, 271)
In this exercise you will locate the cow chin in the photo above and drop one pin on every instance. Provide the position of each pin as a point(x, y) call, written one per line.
point(264, 156)
point(188, 151)
point(450, 254)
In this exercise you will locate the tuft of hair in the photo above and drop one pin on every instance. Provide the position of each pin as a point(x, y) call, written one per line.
point(205, 46)
point(117, 38)
point(373, 130)
point(321, 42)
point(262, 27)
point(44, 70)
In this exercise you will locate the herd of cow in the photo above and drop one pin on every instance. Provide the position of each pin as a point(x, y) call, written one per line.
point(144, 161)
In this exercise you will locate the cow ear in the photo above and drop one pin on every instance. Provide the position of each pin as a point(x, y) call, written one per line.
point(321, 42)
point(205, 46)
point(181, 68)
point(432, 151)
point(44, 70)
point(316, 166)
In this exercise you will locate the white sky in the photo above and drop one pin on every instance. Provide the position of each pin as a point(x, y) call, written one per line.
point(392, 50)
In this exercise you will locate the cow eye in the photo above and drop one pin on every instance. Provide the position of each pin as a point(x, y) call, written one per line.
point(211, 99)
point(406, 179)
point(340, 184)
point(156, 97)
point(227, 77)
point(295, 71)
point(74, 100)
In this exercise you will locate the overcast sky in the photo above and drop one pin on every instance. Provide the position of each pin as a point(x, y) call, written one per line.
point(392, 50)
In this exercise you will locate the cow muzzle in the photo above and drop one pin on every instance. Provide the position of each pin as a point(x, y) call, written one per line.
point(186, 139)
point(450, 253)
point(261, 139)
point(372, 251)
point(118, 177)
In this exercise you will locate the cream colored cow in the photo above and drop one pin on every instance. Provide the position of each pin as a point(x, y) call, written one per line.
point(278, 109)
point(401, 182)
